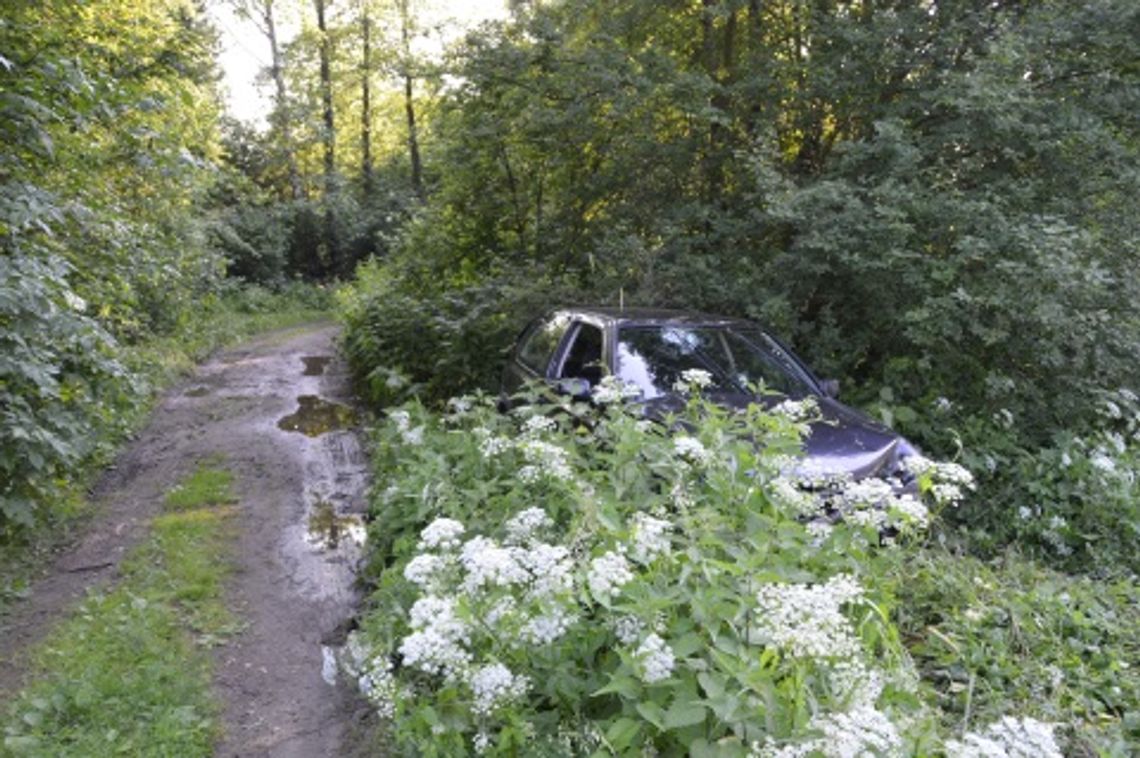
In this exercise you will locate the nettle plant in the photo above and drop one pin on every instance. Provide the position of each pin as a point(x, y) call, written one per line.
point(572, 579)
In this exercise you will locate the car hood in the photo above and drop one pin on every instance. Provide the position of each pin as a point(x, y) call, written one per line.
point(843, 442)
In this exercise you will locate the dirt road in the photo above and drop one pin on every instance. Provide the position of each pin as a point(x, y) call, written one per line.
point(276, 413)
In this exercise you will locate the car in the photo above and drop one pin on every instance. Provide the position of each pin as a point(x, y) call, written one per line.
point(648, 350)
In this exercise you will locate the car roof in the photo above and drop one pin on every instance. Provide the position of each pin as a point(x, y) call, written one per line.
point(646, 316)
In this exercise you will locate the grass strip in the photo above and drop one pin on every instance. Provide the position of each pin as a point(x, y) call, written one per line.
point(130, 671)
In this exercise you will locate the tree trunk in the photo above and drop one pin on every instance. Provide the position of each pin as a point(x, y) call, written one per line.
point(329, 135)
point(366, 106)
point(280, 118)
point(329, 138)
point(409, 104)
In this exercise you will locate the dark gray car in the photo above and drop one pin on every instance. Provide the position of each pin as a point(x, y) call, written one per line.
point(649, 349)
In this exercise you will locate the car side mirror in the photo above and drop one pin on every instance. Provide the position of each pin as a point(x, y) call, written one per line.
point(575, 387)
point(830, 388)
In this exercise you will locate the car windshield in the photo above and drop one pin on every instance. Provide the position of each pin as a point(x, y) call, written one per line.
point(738, 359)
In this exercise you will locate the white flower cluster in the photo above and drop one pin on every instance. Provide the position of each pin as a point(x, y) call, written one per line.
point(543, 460)
point(403, 422)
point(854, 684)
point(459, 407)
point(873, 502)
point(538, 425)
point(548, 627)
point(424, 570)
point(656, 659)
point(613, 390)
point(860, 731)
point(691, 450)
point(607, 575)
point(1102, 462)
point(1053, 534)
point(493, 686)
point(950, 480)
point(526, 525)
point(74, 302)
point(550, 567)
point(372, 672)
point(379, 687)
point(492, 446)
point(792, 499)
point(627, 629)
point(441, 534)
point(488, 565)
point(692, 380)
point(680, 496)
point(796, 411)
point(808, 621)
point(437, 642)
point(1007, 738)
point(650, 537)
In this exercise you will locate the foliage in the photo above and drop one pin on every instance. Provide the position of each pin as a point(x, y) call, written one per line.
point(61, 386)
point(111, 137)
point(578, 580)
point(936, 204)
point(1012, 636)
point(107, 141)
point(1071, 503)
point(130, 672)
point(431, 342)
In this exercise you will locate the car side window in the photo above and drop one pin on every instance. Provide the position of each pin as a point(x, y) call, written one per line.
point(541, 342)
point(584, 358)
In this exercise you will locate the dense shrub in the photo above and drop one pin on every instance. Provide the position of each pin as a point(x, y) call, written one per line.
point(61, 386)
point(403, 340)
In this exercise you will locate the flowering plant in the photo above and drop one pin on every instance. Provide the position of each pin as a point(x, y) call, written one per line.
point(570, 578)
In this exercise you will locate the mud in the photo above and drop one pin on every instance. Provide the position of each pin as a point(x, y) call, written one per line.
point(296, 547)
point(315, 365)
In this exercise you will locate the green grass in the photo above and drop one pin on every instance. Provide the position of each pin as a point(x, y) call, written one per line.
point(206, 486)
point(1012, 637)
point(130, 671)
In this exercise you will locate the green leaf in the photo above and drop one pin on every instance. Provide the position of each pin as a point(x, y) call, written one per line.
point(622, 732)
point(652, 713)
point(684, 713)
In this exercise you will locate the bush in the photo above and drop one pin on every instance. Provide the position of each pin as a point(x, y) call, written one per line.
point(562, 581)
point(61, 386)
point(403, 342)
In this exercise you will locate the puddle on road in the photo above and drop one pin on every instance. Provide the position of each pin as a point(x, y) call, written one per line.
point(316, 416)
point(315, 364)
point(328, 529)
point(199, 391)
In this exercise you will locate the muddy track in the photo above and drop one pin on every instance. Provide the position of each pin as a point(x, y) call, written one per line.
point(276, 413)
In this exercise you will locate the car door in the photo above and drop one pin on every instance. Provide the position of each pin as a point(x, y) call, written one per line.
point(582, 358)
point(534, 353)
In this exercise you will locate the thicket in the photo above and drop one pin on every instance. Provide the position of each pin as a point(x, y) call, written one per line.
point(936, 204)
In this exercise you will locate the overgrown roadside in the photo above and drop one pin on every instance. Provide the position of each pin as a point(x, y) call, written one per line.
point(130, 670)
point(293, 552)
